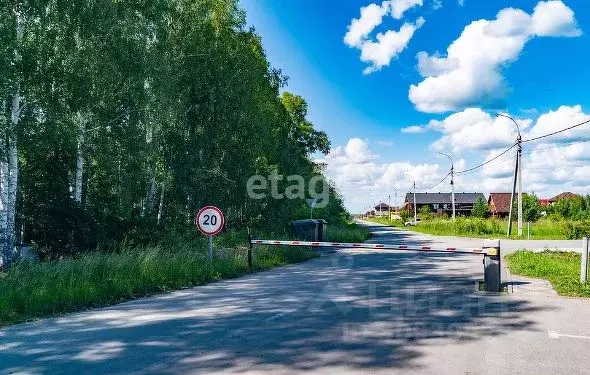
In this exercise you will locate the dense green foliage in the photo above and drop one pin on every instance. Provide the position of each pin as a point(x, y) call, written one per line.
point(169, 104)
point(562, 269)
point(480, 209)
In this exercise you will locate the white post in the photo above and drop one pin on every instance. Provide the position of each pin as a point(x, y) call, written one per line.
point(584, 266)
point(528, 229)
point(210, 249)
point(453, 189)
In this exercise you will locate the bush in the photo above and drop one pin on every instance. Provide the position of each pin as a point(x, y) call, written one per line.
point(480, 209)
point(575, 230)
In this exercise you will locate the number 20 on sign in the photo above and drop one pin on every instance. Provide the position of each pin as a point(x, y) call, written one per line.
point(209, 221)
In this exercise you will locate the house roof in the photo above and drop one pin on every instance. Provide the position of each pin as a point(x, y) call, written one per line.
point(442, 198)
point(566, 194)
point(501, 202)
point(381, 206)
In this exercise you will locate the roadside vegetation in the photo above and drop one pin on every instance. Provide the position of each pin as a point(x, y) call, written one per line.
point(562, 269)
point(569, 218)
point(101, 278)
point(144, 124)
point(347, 232)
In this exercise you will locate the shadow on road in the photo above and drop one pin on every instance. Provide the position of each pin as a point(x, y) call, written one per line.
point(363, 310)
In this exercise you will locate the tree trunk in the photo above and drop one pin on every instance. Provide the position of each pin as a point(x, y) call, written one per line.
point(81, 119)
point(10, 173)
point(152, 191)
point(161, 208)
point(4, 253)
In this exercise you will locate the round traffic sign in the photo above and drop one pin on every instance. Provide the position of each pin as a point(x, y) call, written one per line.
point(209, 220)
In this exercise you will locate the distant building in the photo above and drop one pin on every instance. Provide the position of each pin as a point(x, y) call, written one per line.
point(382, 209)
point(565, 195)
point(440, 203)
point(499, 204)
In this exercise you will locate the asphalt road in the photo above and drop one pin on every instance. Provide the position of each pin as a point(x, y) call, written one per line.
point(357, 311)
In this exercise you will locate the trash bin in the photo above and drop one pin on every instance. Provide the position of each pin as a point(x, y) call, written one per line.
point(322, 227)
point(305, 230)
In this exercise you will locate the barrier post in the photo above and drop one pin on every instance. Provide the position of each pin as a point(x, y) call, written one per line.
point(584, 268)
point(491, 266)
point(249, 251)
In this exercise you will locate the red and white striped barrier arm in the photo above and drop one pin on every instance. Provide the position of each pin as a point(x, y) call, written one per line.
point(489, 251)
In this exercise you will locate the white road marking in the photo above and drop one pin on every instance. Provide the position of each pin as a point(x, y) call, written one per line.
point(556, 336)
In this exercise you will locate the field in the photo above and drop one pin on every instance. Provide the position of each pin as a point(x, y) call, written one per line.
point(476, 227)
point(562, 269)
point(99, 278)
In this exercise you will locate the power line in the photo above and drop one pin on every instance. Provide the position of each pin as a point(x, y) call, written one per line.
point(487, 162)
point(438, 183)
point(557, 132)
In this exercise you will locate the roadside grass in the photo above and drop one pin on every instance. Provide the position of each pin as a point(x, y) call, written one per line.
point(102, 278)
point(96, 279)
point(348, 232)
point(562, 269)
point(476, 227)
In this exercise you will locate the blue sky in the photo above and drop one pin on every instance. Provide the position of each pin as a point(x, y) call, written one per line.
point(529, 61)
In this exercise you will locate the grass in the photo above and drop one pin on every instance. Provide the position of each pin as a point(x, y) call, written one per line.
point(562, 269)
point(349, 232)
point(30, 291)
point(476, 227)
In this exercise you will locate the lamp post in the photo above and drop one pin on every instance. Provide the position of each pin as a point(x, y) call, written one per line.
point(452, 182)
point(517, 179)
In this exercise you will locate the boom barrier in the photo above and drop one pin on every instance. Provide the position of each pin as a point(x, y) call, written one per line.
point(490, 251)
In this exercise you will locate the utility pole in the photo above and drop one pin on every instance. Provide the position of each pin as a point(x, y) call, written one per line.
point(415, 209)
point(452, 182)
point(517, 176)
point(389, 206)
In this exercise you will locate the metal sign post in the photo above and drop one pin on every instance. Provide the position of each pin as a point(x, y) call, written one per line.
point(210, 257)
point(311, 203)
point(209, 221)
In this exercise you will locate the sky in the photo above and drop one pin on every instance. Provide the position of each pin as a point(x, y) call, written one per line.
point(394, 83)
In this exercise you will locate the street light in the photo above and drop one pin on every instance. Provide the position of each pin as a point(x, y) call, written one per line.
point(517, 175)
point(414, 186)
point(452, 182)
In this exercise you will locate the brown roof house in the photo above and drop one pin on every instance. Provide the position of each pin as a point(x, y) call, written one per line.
point(499, 204)
point(566, 195)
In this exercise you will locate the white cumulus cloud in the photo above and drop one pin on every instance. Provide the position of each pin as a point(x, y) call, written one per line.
point(470, 72)
point(386, 46)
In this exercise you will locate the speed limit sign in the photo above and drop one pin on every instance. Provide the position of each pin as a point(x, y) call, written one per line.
point(209, 220)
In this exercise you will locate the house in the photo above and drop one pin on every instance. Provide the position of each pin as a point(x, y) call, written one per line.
point(440, 203)
point(499, 204)
point(565, 195)
point(382, 209)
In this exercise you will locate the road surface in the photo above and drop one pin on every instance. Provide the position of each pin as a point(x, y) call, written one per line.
point(355, 312)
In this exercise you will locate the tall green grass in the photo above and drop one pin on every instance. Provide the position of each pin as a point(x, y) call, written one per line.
point(477, 227)
point(102, 278)
point(562, 269)
point(98, 279)
point(347, 232)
